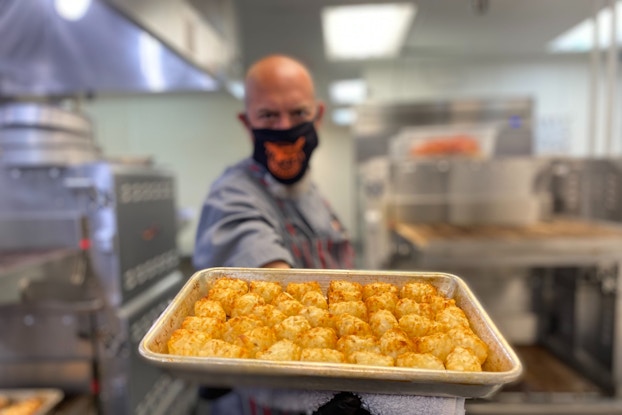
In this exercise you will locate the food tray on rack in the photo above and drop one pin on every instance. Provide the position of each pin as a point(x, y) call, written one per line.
point(46, 399)
point(501, 367)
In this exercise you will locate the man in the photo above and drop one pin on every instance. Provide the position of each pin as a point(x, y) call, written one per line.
point(265, 211)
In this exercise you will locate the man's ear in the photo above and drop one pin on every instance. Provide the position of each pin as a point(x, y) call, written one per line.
point(320, 113)
point(244, 120)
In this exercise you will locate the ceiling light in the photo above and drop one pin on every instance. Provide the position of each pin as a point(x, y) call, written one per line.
point(366, 31)
point(579, 38)
point(71, 9)
point(350, 91)
point(150, 60)
point(236, 88)
point(343, 116)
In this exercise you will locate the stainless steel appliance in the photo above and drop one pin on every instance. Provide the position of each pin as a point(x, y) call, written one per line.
point(88, 260)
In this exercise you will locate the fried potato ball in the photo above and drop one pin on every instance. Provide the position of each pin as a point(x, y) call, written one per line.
point(352, 343)
point(339, 291)
point(355, 308)
point(395, 342)
point(419, 361)
point(418, 326)
point(235, 284)
point(463, 359)
point(299, 289)
point(322, 355)
point(463, 337)
point(317, 317)
point(370, 359)
point(268, 290)
point(282, 350)
point(377, 288)
point(439, 344)
point(383, 301)
point(256, 340)
point(244, 304)
point(220, 348)
point(186, 342)
point(292, 327)
point(348, 324)
point(318, 337)
point(315, 299)
point(236, 326)
point(439, 303)
point(453, 317)
point(268, 314)
point(407, 306)
point(381, 321)
point(282, 296)
point(212, 327)
point(418, 291)
point(209, 308)
point(225, 296)
point(290, 307)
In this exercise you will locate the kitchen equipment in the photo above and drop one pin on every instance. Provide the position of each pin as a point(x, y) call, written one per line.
point(501, 367)
point(48, 397)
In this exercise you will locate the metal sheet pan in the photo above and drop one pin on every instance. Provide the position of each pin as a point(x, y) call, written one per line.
point(501, 367)
point(49, 397)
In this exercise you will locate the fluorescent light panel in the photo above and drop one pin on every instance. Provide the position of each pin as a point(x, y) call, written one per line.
point(348, 91)
point(579, 38)
point(366, 31)
point(343, 116)
point(72, 9)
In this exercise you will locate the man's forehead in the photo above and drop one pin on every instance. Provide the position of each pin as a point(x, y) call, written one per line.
point(270, 101)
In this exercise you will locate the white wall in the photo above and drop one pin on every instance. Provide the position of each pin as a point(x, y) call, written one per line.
point(197, 135)
point(559, 86)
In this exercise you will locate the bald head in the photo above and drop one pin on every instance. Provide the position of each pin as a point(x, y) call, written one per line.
point(279, 93)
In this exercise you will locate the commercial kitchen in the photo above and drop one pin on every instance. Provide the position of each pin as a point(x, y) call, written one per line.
point(117, 115)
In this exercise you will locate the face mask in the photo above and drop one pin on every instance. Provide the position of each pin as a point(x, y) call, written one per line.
point(285, 153)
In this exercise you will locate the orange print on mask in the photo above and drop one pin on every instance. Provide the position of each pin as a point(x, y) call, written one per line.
point(285, 159)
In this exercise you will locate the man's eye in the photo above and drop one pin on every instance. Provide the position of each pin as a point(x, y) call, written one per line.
point(268, 116)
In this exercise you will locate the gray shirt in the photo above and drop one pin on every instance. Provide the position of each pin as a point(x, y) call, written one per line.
point(248, 219)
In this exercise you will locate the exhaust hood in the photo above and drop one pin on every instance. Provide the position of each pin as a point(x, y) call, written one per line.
point(50, 51)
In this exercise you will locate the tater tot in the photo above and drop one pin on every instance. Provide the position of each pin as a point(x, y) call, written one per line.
point(370, 358)
point(418, 291)
point(463, 359)
point(209, 308)
point(282, 350)
point(383, 301)
point(244, 304)
point(225, 296)
point(282, 296)
point(256, 340)
point(417, 326)
point(339, 291)
point(347, 324)
point(419, 361)
point(236, 326)
point(317, 317)
point(439, 344)
point(439, 303)
point(352, 343)
point(318, 337)
point(452, 317)
point(377, 288)
point(355, 308)
point(465, 337)
point(212, 327)
point(186, 342)
point(407, 306)
point(290, 307)
point(240, 287)
point(299, 289)
point(268, 314)
point(382, 321)
point(395, 342)
point(322, 355)
point(291, 327)
point(268, 290)
point(220, 348)
point(315, 299)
